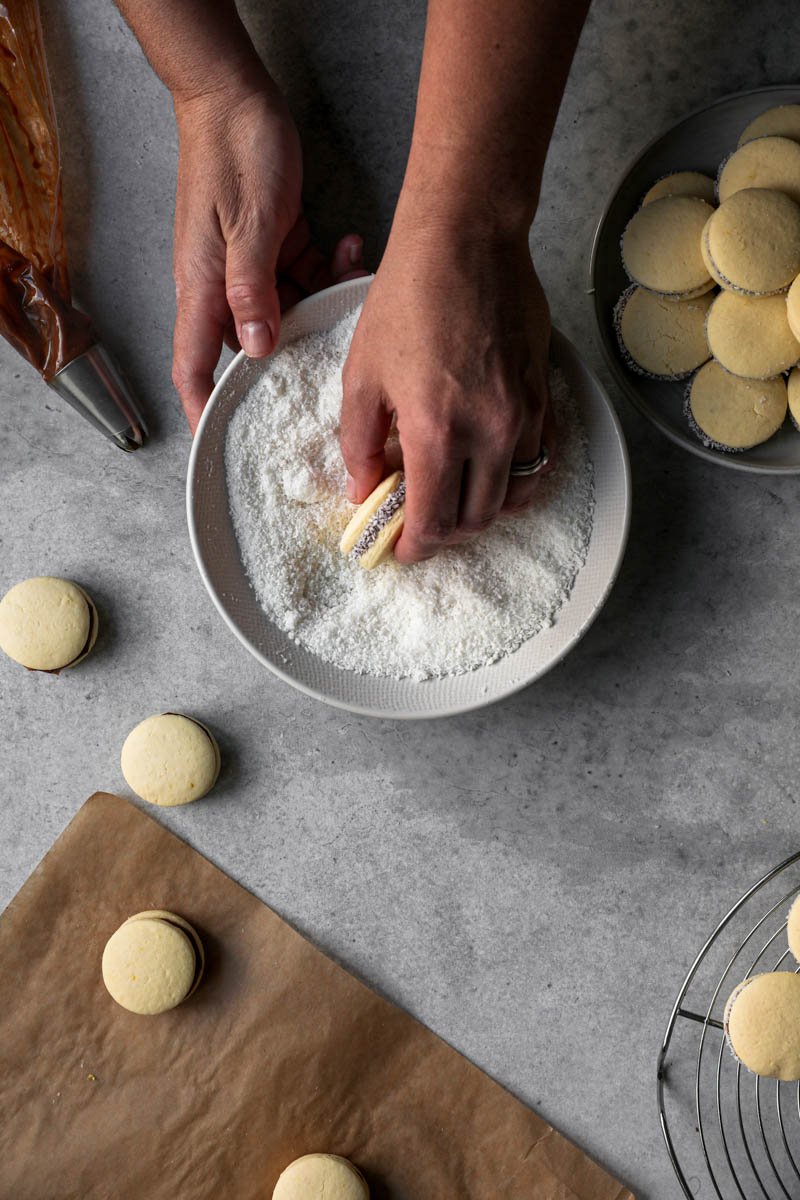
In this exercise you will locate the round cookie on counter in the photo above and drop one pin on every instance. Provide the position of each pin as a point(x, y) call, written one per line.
point(751, 244)
point(734, 414)
point(750, 335)
point(793, 389)
point(661, 247)
point(170, 759)
point(764, 162)
point(762, 1024)
point(682, 183)
point(316, 1175)
point(781, 121)
point(663, 339)
point(153, 962)
point(47, 624)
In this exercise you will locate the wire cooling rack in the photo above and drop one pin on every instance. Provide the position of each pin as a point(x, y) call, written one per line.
point(730, 1134)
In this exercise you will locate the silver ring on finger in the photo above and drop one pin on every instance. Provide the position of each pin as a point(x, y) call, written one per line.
point(532, 467)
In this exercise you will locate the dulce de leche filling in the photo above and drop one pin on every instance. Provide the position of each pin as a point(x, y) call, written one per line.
point(377, 521)
point(36, 314)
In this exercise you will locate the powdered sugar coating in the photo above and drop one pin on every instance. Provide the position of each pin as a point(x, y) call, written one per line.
point(468, 606)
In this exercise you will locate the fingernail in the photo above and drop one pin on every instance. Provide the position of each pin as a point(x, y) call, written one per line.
point(351, 489)
point(355, 251)
point(256, 338)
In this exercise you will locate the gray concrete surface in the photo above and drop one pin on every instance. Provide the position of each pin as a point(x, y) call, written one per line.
point(530, 881)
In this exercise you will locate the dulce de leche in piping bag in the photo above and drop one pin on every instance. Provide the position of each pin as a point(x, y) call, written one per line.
point(36, 313)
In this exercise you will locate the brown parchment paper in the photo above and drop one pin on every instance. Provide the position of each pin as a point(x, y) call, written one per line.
point(280, 1052)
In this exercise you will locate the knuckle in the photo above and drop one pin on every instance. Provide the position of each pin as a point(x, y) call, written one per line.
point(520, 505)
point(180, 376)
point(432, 530)
point(354, 382)
point(243, 294)
point(478, 523)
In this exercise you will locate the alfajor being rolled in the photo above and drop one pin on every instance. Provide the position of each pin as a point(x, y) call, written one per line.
point(377, 523)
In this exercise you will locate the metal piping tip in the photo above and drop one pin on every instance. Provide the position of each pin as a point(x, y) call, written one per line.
point(95, 386)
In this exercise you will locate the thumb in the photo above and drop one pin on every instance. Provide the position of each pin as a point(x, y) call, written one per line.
point(251, 292)
point(365, 428)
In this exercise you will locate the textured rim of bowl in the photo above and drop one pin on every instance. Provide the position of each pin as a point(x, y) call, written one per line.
point(629, 389)
point(363, 710)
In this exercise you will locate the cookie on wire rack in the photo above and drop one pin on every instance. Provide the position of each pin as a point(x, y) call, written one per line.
point(762, 1024)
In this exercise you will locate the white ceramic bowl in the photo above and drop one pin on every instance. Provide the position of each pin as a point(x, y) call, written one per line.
point(217, 552)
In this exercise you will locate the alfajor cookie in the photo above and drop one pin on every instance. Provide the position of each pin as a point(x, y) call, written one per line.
point(170, 759)
point(682, 183)
point(751, 243)
point(793, 389)
point(764, 162)
point(317, 1175)
point(663, 339)
point(793, 925)
point(762, 1024)
point(793, 307)
point(781, 121)
point(376, 524)
point(750, 335)
point(661, 247)
point(734, 414)
point(47, 624)
point(153, 962)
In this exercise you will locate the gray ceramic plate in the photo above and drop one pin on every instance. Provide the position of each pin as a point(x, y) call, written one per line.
point(698, 143)
point(217, 552)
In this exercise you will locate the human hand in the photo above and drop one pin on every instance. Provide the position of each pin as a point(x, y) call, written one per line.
point(453, 340)
point(243, 250)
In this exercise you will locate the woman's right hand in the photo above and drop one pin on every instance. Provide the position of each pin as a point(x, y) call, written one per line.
point(242, 247)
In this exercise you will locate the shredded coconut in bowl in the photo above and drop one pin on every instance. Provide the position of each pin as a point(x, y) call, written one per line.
point(469, 606)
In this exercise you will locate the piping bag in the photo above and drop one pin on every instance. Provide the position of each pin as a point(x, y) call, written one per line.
point(36, 312)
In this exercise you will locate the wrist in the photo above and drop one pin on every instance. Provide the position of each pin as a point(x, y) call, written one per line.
point(453, 189)
point(236, 93)
point(233, 75)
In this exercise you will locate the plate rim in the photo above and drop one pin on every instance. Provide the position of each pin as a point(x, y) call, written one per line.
point(359, 709)
point(629, 390)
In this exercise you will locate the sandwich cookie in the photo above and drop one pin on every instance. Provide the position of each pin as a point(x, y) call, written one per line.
point(661, 247)
point(782, 121)
point(663, 339)
point(47, 624)
point(682, 183)
point(793, 307)
point(793, 928)
point(765, 162)
point(750, 335)
point(153, 962)
point(751, 244)
point(762, 1024)
point(793, 388)
point(732, 414)
point(317, 1175)
point(170, 759)
point(376, 524)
